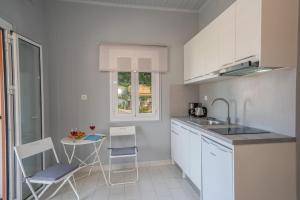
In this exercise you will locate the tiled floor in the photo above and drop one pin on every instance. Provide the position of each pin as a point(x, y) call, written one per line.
point(155, 183)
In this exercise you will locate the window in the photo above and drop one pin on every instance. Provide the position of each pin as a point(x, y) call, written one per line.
point(134, 96)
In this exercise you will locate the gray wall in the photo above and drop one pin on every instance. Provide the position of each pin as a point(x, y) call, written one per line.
point(26, 16)
point(74, 32)
point(182, 95)
point(265, 101)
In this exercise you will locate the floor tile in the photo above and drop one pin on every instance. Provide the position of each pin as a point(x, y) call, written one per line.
point(155, 183)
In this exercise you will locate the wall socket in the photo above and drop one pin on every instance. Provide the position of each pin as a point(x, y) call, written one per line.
point(83, 97)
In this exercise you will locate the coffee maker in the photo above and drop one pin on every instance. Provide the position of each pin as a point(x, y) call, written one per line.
point(197, 110)
point(192, 107)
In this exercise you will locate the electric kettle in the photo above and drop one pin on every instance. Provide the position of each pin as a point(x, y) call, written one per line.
point(201, 112)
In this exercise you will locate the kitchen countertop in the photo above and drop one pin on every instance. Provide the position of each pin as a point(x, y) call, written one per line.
point(238, 139)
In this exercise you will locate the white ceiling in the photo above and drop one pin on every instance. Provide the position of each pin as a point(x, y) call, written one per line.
point(176, 5)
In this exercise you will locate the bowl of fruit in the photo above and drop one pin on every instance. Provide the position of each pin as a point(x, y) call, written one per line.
point(76, 134)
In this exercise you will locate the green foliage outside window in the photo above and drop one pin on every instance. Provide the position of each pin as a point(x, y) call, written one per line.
point(124, 93)
point(144, 92)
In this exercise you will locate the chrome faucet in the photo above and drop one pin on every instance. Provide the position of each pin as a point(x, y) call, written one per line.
point(228, 110)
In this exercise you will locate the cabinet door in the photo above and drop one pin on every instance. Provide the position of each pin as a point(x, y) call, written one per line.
point(210, 41)
point(199, 68)
point(184, 150)
point(192, 61)
point(179, 149)
point(217, 171)
point(195, 158)
point(248, 29)
point(188, 60)
point(227, 36)
point(174, 139)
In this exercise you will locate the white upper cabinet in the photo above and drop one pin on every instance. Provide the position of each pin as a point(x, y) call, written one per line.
point(211, 39)
point(227, 37)
point(267, 30)
point(192, 58)
point(248, 29)
point(260, 30)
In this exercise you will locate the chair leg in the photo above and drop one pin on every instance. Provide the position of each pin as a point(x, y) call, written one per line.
point(55, 192)
point(100, 164)
point(73, 188)
point(75, 184)
point(109, 171)
point(137, 169)
point(32, 190)
point(44, 190)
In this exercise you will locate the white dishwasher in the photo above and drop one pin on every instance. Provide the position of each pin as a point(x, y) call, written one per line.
point(217, 171)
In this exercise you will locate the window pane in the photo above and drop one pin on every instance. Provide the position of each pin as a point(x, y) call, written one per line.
point(124, 92)
point(145, 92)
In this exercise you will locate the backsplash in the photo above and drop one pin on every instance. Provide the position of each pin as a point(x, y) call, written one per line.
point(265, 101)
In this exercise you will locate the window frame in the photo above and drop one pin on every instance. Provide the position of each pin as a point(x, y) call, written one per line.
point(135, 115)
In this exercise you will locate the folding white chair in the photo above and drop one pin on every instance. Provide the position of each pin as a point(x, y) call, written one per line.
point(122, 152)
point(51, 175)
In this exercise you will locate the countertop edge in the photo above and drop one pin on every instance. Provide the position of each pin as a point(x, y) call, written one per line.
point(283, 139)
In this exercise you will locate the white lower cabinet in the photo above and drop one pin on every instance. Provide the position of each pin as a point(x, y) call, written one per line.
point(195, 158)
point(222, 171)
point(174, 145)
point(183, 145)
point(217, 169)
point(186, 151)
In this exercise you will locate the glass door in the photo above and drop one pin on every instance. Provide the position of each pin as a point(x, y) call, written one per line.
point(29, 105)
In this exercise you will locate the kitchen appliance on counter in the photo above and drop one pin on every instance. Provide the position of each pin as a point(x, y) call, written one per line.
point(201, 112)
point(197, 110)
point(192, 107)
point(238, 130)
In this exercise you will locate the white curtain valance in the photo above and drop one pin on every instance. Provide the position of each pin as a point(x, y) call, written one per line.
point(140, 58)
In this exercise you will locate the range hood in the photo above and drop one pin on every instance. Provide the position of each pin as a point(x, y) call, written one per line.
point(245, 68)
point(240, 69)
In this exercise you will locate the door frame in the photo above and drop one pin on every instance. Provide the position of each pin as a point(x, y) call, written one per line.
point(18, 128)
point(5, 28)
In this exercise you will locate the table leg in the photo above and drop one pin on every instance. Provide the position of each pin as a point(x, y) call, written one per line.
point(72, 155)
point(95, 157)
point(99, 160)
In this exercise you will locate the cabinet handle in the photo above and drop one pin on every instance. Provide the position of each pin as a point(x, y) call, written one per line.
point(194, 133)
point(174, 132)
point(184, 128)
point(245, 58)
point(219, 147)
point(213, 154)
point(206, 141)
point(222, 149)
point(174, 124)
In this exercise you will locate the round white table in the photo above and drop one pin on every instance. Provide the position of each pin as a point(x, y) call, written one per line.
point(95, 154)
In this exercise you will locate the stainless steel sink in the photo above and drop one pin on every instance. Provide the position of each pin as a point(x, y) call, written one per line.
point(205, 122)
